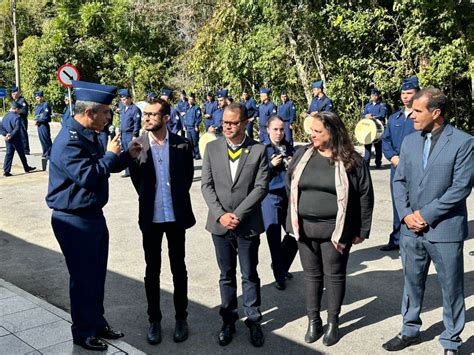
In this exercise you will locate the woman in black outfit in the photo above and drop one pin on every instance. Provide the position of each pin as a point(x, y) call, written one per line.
point(330, 209)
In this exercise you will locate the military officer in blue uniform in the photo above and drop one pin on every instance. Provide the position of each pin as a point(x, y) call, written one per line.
point(106, 132)
point(252, 111)
point(287, 111)
point(210, 106)
point(399, 125)
point(175, 123)
point(78, 189)
point(183, 104)
point(216, 120)
point(67, 112)
point(43, 113)
point(192, 121)
point(11, 127)
point(266, 110)
point(375, 110)
point(16, 96)
point(320, 101)
point(130, 120)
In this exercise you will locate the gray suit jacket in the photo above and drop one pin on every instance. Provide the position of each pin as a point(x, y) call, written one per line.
point(243, 195)
point(439, 191)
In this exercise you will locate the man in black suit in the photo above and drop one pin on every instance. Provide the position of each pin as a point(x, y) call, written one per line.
point(234, 182)
point(162, 175)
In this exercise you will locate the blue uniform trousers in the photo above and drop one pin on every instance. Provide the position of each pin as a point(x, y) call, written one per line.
point(378, 153)
point(84, 241)
point(274, 207)
point(263, 135)
point(193, 137)
point(24, 135)
point(288, 133)
point(125, 139)
point(11, 146)
point(228, 247)
point(208, 122)
point(249, 129)
point(395, 235)
point(417, 254)
point(44, 135)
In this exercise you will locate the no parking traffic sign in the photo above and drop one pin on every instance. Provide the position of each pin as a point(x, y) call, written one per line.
point(67, 73)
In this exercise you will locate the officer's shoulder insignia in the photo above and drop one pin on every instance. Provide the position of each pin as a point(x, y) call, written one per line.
point(73, 135)
point(46, 110)
point(24, 103)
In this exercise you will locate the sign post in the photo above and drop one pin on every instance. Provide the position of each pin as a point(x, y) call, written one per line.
point(66, 74)
point(3, 95)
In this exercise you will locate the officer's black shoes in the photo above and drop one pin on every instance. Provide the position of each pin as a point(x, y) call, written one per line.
point(331, 336)
point(126, 175)
point(92, 343)
point(471, 253)
point(109, 333)
point(30, 168)
point(256, 334)
point(315, 330)
point(390, 247)
point(7, 174)
point(280, 285)
point(451, 352)
point(400, 342)
point(154, 333)
point(44, 163)
point(225, 335)
point(288, 275)
point(181, 331)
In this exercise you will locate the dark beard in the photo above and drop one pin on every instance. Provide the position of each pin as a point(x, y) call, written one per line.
point(156, 127)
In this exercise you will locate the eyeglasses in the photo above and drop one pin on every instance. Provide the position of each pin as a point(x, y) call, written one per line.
point(231, 123)
point(151, 114)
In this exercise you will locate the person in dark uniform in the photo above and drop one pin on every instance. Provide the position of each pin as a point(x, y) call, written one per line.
point(162, 176)
point(11, 127)
point(275, 204)
point(16, 96)
point(399, 126)
point(107, 131)
point(210, 106)
point(216, 125)
point(320, 101)
point(287, 111)
point(252, 111)
point(67, 112)
point(192, 121)
point(43, 113)
point(130, 120)
point(78, 189)
point(175, 123)
point(266, 110)
point(375, 110)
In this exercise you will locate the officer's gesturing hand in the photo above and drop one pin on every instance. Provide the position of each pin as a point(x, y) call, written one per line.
point(114, 145)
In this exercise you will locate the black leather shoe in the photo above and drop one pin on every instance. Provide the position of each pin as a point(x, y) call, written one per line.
point(331, 336)
point(92, 343)
point(288, 275)
point(471, 253)
point(225, 335)
point(451, 352)
point(400, 342)
point(180, 331)
point(390, 247)
point(109, 333)
point(315, 330)
point(125, 175)
point(7, 174)
point(256, 334)
point(154, 333)
point(280, 285)
point(30, 168)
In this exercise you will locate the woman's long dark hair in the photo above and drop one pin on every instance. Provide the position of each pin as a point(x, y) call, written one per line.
point(340, 143)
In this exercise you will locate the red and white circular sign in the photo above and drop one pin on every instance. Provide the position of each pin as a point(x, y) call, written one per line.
point(67, 73)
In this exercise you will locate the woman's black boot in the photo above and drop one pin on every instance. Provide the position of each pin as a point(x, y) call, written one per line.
point(331, 336)
point(315, 330)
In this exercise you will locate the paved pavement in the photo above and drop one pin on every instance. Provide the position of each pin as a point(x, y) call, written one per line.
point(30, 258)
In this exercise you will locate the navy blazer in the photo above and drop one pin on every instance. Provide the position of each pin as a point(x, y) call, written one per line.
point(439, 191)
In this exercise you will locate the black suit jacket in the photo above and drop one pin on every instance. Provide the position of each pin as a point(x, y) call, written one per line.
point(142, 173)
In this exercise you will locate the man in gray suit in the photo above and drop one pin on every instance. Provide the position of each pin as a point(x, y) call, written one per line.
point(432, 182)
point(234, 182)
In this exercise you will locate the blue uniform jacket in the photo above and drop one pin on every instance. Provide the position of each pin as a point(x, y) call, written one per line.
point(398, 127)
point(217, 118)
point(67, 114)
point(24, 110)
point(320, 104)
point(265, 111)
point(182, 107)
point(11, 123)
point(174, 123)
point(210, 107)
point(287, 111)
point(378, 111)
point(79, 171)
point(251, 106)
point(193, 117)
point(130, 119)
point(277, 173)
point(43, 112)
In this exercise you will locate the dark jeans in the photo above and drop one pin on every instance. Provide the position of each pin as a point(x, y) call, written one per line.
point(378, 153)
point(228, 246)
point(176, 252)
point(320, 258)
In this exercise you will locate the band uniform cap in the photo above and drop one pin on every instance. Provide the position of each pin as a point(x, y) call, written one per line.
point(222, 93)
point(265, 91)
point(317, 84)
point(102, 94)
point(151, 94)
point(166, 92)
point(14, 89)
point(124, 93)
point(283, 93)
point(38, 93)
point(410, 83)
point(374, 91)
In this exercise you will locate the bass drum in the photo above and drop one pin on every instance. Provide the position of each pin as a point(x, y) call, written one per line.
point(369, 131)
point(308, 121)
point(204, 139)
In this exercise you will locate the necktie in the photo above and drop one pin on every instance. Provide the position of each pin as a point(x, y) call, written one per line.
point(426, 149)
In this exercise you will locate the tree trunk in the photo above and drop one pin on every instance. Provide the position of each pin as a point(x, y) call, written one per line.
point(300, 69)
